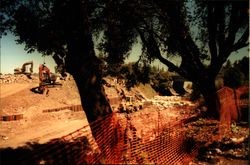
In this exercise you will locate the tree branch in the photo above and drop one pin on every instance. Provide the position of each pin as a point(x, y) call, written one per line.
point(212, 34)
point(236, 21)
point(220, 15)
point(193, 50)
point(242, 42)
point(154, 51)
point(233, 26)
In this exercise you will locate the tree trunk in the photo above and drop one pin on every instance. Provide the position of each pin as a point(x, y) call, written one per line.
point(208, 90)
point(93, 97)
point(94, 100)
point(82, 63)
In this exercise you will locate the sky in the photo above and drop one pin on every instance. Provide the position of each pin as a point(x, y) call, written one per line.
point(13, 55)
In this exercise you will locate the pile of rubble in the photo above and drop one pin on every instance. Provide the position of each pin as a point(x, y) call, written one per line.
point(216, 148)
point(171, 101)
point(21, 78)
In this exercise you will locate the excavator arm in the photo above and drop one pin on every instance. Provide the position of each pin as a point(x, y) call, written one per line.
point(24, 67)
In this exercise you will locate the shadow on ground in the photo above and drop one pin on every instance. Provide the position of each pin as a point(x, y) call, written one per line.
point(55, 152)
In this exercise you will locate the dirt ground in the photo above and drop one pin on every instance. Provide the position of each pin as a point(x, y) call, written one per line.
point(37, 126)
point(40, 127)
point(231, 148)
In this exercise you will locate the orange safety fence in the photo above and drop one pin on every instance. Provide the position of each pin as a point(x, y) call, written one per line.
point(116, 142)
point(232, 105)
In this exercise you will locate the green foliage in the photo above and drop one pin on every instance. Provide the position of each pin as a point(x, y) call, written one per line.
point(235, 128)
point(243, 66)
point(135, 73)
point(161, 81)
point(236, 74)
point(233, 78)
point(202, 34)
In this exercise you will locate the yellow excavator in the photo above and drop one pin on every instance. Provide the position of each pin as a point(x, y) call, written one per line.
point(27, 69)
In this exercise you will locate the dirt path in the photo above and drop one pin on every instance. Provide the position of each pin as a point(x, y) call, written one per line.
point(40, 133)
point(15, 98)
point(10, 89)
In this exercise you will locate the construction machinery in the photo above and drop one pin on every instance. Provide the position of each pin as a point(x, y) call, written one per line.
point(46, 78)
point(27, 69)
point(129, 104)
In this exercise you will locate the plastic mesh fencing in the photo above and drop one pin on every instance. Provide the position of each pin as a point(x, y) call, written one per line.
point(116, 142)
point(231, 106)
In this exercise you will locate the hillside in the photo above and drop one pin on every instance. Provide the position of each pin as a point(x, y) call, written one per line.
point(30, 117)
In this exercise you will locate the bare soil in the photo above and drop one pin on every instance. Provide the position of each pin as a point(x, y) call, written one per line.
point(39, 127)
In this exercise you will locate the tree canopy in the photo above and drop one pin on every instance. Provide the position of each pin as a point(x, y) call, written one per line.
point(202, 34)
point(237, 73)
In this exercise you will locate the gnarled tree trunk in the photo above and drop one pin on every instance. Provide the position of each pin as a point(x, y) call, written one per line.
point(82, 63)
point(208, 90)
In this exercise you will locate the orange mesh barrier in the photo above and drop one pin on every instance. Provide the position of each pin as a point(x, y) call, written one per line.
point(117, 142)
point(230, 106)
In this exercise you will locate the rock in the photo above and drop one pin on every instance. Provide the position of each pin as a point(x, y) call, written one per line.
point(10, 78)
point(5, 137)
point(237, 140)
point(218, 151)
